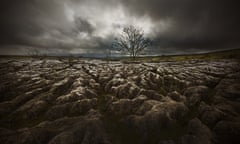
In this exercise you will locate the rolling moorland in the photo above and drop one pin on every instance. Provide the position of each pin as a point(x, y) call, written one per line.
point(188, 99)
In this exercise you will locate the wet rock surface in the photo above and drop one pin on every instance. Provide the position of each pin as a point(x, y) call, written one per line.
point(58, 101)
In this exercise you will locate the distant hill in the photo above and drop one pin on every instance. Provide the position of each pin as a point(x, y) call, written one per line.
point(226, 54)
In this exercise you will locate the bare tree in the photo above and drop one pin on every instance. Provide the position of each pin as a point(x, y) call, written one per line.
point(131, 41)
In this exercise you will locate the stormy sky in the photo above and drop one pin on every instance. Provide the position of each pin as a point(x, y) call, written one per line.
point(89, 26)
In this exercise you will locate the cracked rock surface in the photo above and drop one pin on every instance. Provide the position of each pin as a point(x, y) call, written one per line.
point(61, 101)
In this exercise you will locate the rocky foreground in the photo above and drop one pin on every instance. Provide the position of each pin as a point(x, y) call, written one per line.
point(93, 102)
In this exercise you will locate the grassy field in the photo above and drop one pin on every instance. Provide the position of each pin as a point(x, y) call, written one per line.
point(227, 54)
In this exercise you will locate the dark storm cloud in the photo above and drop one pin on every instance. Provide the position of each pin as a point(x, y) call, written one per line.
point(195, 24)
point(83, 25)
point(79, 26)
point(43, 25)
point(23, 21)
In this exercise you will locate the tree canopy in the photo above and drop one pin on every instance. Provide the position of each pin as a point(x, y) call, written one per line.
point(131, 41)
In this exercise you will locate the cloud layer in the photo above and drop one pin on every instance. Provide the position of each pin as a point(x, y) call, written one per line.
point(88, 26)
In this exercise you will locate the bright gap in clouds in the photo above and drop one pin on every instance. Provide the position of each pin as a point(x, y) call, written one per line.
point(112, 22)
point(107, 21)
